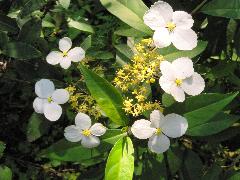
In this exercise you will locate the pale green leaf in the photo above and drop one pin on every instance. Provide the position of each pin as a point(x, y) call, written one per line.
point(120, 163)
point(223, 8)
point(82, 26)
point(130, 12)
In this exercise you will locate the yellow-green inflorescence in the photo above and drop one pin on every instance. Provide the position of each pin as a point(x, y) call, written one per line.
point(80, 101)
point(134, 78)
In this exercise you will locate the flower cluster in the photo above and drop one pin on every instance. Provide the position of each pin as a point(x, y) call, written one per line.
point(49, 100)
point(147, 65)
point(175, 78)
point(135, 78)
point(82, 102)
point(136, 108)
point(144, 67)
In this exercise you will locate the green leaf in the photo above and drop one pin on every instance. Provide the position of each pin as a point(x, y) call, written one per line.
point(64, 150)
point(235, 176)
point(21, 50)
point(113, 135)
point(87, 43)
point(82, 26)
point(3, 39)
point(175, 159)
point(37, 126)
point(171, 53)
point(213, 173)
point(100, 54)
point(192, 166)
point(215, 125)
point(167, 100)
point(106, 95)
point(65, 3)
point(5, 173)
point(120, 163)
point(30, 31)
point(8, 24)
point(154, 166)
point(2, 148)
point(129, 32)
point(223, 8)
point(125, 50)
point(201, 109)
point(30, 6)
point(130, 12)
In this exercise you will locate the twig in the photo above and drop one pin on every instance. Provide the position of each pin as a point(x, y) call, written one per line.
point(198, 7)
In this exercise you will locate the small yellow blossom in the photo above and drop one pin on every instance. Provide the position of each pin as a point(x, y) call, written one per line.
point(82, 102)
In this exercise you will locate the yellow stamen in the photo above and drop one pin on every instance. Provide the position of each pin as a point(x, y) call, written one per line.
point(64, 53)
point(86, 132)
point(158, 131)
point(171, 26)
point(178, 82)
point(49, 99)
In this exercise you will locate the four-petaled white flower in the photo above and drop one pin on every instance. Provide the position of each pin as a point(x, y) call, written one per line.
point(158, 129)
point(179, 77)
point(84, 132)
point(170, 27)
point(67, 55)
point(48, 99)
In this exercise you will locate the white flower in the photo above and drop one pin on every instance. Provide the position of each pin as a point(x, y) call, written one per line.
point(48, 99)
point(179, 77)
point(170, 27)
point(67, 55)
point(84, 132)
point(158, 129)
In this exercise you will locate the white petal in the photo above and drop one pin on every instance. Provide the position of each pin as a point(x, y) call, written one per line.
point(65, 44)
point(162, 38)
point(83, 121)
point(72, 133)
point(178, 93)
point(183, 67)
point(38, 105)
point(153, 20)
point(166, 84)
point(174, 125)
point(156, 118)
point(98, 129)
point(184, 39)
point(90, 141)
point(193, 85)
point(44, 88)
point(159, 143)
point(182, 19)
point(76, 54)
point(158, 15)
point(167, 70)
point(54, 57)
point(60, 96)
point(141, 129)
point(65, 63)
point(52, 111)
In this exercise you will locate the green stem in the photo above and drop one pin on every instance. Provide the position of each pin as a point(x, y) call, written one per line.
point(199, 7)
